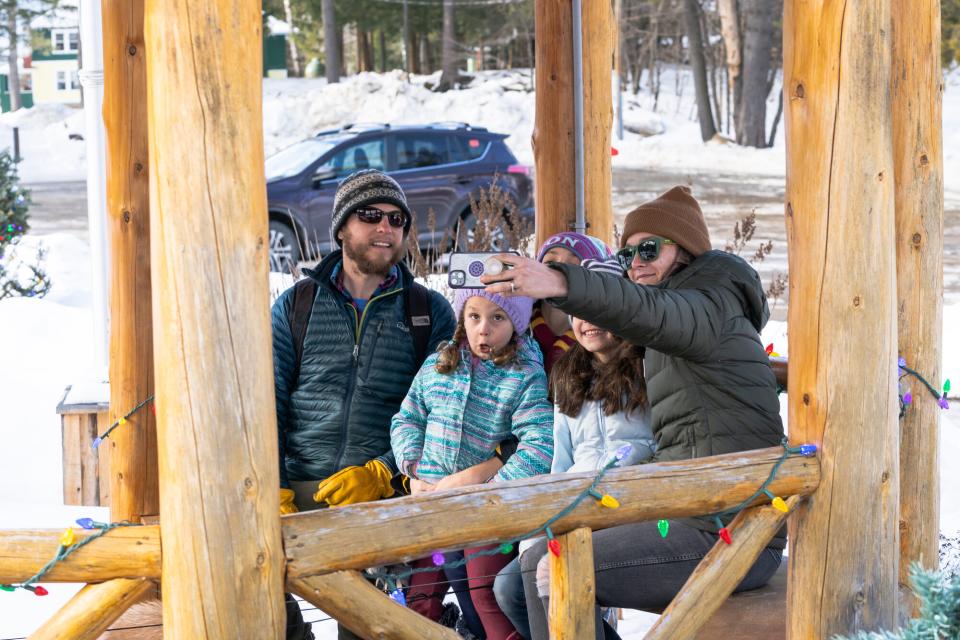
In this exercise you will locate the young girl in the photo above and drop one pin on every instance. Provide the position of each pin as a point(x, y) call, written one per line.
point(485, 385)
point(600, 404)
point(549, 325)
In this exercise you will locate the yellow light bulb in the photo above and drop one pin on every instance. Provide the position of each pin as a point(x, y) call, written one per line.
point(68, 538)
point(780, 505)
point(609, 501)
point(123, 421)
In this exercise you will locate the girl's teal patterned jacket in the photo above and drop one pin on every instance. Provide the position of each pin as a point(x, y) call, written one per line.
point(449, 422)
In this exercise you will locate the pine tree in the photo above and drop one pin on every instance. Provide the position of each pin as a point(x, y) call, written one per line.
point(17, 278)
point(939, 609)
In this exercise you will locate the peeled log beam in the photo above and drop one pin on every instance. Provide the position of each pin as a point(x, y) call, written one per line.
point(552, 140)
point(719, 573)
point(573, 593)
point(365, 610)
point(134, 482)
point(842, 316)
point(126, 552)
point(94, 608)
point(918, 201)
point(216, 417)
point(373, 534)
point(599, 35)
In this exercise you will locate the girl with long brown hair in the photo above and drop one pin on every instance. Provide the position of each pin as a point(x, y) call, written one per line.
point(600, 405)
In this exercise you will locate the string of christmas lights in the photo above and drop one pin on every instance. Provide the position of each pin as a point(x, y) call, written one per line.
point(907, 398)
point(805, 450)
point(123, 420)
point(392, 581)
point(68, 545)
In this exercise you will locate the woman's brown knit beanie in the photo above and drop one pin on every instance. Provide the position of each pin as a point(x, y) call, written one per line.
point(674, 215)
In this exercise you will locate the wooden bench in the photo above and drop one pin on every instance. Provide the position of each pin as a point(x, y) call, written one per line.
point(84, 413)
point(752, 615)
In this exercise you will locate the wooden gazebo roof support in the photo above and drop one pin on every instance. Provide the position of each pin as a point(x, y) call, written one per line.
point(916, 88)
point(553, 134)
point(134, 482)
point(216, 416)
point(841, 177)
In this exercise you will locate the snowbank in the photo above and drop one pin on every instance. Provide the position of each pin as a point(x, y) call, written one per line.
point(660, 134)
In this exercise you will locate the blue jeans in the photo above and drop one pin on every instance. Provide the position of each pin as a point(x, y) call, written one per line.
point(636, 568)
point(508, 589)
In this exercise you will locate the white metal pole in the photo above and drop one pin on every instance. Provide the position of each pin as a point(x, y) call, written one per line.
point(91, 79)
point(580, 225)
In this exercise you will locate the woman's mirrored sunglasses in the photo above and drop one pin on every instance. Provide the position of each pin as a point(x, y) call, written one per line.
point(372, 215)
point(647, 249)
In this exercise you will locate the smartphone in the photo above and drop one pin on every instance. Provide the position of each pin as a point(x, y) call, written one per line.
point(466, 268)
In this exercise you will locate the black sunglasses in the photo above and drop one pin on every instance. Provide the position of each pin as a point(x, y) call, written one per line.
point(647, 249)
point(372, 215)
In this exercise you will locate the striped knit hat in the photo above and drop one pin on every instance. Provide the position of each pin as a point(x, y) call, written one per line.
point(518, 308)
point(365, 187)
point(674, 215)
point(583, 246)
point(607, 265)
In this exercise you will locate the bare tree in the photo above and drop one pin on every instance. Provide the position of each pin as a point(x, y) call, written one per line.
point(13, 77)
point(751, 119)
point(691, 19)
point(730, 30)
point(331, 41)
point(294, 53)
point(448, 57)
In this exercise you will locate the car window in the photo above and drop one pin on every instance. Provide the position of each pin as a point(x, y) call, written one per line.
point(295, 158)
point(417, 151)
point(369, 154)
point(466, 148)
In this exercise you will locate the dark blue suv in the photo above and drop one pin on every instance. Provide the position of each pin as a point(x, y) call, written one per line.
point(440, 167)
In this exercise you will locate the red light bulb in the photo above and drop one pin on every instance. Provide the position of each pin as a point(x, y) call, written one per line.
point(554, 546)
point(725, 535)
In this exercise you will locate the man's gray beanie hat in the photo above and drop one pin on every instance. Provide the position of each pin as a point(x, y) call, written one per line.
point(362, 188)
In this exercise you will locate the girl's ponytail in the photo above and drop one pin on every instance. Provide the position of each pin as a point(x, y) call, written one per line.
point(449, 357)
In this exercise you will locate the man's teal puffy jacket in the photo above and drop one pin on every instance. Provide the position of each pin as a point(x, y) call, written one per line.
point(355, 371)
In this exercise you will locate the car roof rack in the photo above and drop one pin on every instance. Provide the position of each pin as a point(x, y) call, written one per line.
point(453, 124)
point(365, 126)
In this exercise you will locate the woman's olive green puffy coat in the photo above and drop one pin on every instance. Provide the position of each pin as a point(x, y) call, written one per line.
point(709, 380)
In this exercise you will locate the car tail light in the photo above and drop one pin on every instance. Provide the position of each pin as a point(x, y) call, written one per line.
point(519, 168)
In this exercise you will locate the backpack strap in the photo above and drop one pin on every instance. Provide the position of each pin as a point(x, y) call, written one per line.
point(419, 320)
point(304, 293)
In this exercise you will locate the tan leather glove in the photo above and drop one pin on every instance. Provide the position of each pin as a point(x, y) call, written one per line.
point(356, 484)
point(286, 502)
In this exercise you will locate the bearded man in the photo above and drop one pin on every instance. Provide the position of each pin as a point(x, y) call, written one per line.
point(343, 370)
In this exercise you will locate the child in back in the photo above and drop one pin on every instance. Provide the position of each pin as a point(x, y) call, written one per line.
point(600, 405)
point(485, 385)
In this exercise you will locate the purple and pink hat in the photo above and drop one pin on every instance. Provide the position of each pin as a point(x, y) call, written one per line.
point(517, 308)
point(583, 246)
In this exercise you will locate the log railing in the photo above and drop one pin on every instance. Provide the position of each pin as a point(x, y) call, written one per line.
point(372, 534)
point(364, 535)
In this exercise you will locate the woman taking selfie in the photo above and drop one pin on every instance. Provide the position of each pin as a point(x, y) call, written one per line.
point(698, 313)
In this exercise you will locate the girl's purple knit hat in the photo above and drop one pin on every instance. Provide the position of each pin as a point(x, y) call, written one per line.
point(583, 246)
point(517, 308)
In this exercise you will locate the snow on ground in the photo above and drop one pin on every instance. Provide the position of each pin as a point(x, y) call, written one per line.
point(48, 341)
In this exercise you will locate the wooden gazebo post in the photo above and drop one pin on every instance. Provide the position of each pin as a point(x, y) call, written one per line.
point(216, 420)
point(553, 133)
point(916, 86)
point(134, 487)
point(842, 316)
